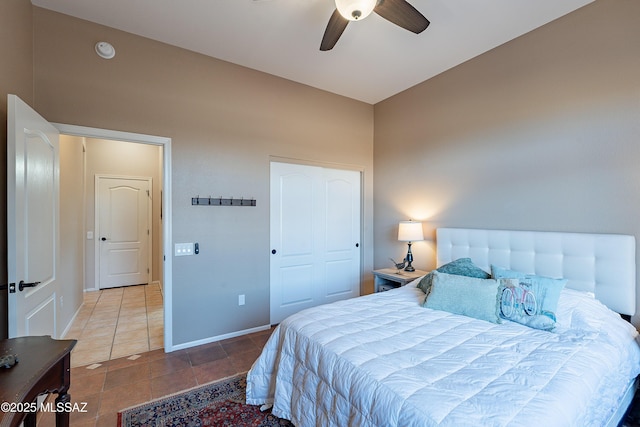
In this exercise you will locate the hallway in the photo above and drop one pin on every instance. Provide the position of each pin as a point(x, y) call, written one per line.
point(117, 322)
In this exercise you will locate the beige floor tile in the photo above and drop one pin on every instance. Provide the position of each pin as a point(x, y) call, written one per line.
point(110, 293)
point(83, 315)
point(133, 312)
point(75, 330)
point(141, 307)
point(156, 330)
point(128, 348)
point(111, 313)
point(155, 315)
point(100, 323)
point(109, 302)
point(91, 298)
point(117, 322)
point(107, 306)
point(82, 358)
point(134, 335)
point(94, 343)
point(107, 330)
point(135, 291)
point(156, 343)
point(129, 323)
point(132, 318)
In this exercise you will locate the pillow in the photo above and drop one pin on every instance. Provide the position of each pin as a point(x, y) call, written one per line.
point(460, 267)
point(532, 302)
point(468, 296)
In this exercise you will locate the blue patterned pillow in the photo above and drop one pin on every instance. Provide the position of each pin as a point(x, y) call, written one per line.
point(533, 301)
point(459, 267)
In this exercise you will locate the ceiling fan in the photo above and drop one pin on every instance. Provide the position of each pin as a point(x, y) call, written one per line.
point(398, 12)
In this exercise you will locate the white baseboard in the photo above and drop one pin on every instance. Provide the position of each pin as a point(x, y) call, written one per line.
point(66, 330)
point(217, 338)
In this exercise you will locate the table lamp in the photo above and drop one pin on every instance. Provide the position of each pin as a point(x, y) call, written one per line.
point(410, 231)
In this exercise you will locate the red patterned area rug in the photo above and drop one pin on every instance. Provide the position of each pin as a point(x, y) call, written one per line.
point(217, 404)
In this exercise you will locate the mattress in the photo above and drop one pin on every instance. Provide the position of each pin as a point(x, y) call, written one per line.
point(383, 360)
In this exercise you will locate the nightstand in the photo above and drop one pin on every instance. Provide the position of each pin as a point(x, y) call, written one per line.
point(389, 278)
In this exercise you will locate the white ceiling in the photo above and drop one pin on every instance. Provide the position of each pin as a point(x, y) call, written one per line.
point(373, 60)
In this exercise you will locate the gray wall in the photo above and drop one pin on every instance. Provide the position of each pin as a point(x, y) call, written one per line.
point(541, 133)
point(16, 77)
point(225, 122)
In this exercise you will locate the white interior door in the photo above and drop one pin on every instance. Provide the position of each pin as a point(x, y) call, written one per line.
point(33, 172)
point(123, 225)
point(315, 237)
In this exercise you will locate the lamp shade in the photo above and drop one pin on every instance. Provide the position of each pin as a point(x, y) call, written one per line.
point(410, 231)
point(354, 10)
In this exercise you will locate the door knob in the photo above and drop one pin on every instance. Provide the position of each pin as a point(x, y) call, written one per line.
point(103, 239)
point(273, 251)
point(23, 285)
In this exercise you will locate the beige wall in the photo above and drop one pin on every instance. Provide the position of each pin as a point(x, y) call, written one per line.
point(16, 77)
point(71, 268)
point(225, 122)
point(541, 133)
point(122, 159)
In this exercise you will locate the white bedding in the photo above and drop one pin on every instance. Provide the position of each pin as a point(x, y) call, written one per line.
point(383, 360)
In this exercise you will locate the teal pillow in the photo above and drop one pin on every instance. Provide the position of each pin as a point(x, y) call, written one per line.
point(460, 267)
point(468, 296)
point(532, 301)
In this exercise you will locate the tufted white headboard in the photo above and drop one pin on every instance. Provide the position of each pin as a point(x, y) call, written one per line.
point(604, 264)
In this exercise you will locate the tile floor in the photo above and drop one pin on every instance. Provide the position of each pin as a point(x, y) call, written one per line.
point(117, 322)
point(115, 383)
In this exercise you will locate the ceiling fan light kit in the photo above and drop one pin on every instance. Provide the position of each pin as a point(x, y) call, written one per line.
point(354, 10)
point(398, 12)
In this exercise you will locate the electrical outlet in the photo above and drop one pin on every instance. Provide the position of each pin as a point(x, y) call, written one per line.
point(61, 302)
point(241, 299)
point(183, 249)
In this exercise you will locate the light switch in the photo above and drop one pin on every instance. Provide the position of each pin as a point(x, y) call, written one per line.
point(89, 235)
point(183, 249)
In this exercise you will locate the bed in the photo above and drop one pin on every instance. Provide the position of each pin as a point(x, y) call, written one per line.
point(385, 360)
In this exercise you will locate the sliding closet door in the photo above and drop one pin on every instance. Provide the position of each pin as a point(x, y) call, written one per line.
point(315, 237)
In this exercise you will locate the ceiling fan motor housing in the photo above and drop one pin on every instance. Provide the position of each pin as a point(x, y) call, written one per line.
point(354, 10)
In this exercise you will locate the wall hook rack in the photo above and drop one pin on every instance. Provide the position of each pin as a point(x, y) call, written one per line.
point(220, 201)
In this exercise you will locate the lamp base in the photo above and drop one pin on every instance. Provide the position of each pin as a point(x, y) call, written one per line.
point(409, 259)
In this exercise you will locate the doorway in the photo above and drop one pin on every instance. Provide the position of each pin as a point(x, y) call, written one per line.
point(163, 200)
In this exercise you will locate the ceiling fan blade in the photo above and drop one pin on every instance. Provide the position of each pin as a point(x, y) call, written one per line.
point(402, 14)
point(334, 30)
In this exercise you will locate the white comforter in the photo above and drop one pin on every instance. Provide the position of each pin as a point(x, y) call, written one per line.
point(383, 360)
